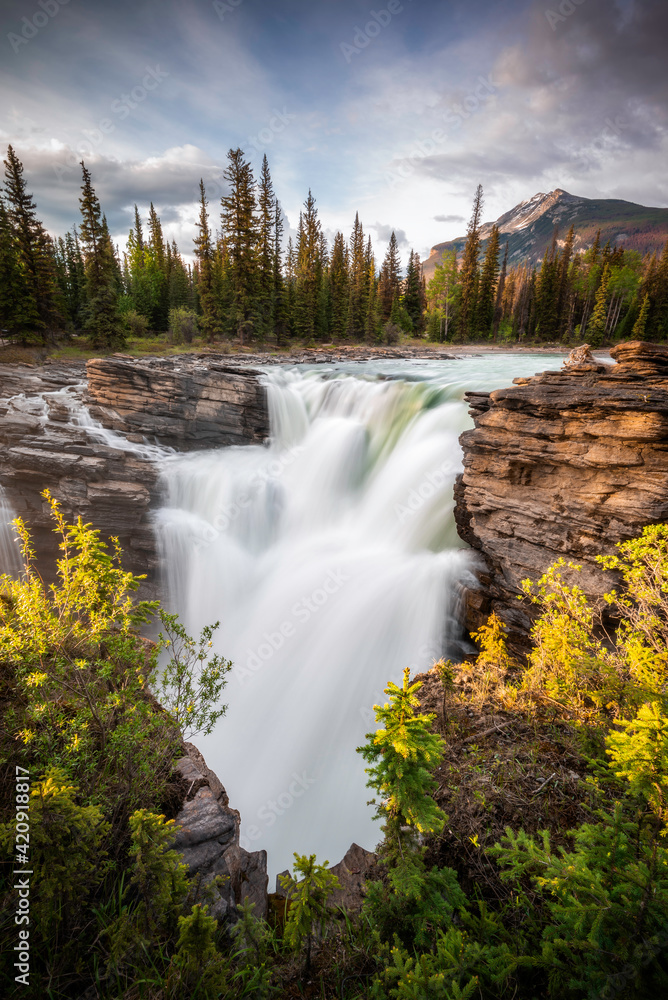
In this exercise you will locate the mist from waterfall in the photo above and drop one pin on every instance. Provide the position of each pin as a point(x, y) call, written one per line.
point(331, 559)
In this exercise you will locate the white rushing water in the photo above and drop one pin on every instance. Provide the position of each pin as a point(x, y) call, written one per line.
point(332, 561)
point(10, 554)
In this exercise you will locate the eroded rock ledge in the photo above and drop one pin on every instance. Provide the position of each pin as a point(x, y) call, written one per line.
point(566, 463)
point(208, 839)
point(184, 403)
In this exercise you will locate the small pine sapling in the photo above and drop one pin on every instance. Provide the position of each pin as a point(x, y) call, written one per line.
point(402, 755)
point(308, 896)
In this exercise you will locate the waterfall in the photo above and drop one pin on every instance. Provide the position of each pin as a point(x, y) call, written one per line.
point(332, 561)
point(10, 555)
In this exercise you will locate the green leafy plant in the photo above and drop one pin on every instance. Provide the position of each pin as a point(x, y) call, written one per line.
point(190, 685)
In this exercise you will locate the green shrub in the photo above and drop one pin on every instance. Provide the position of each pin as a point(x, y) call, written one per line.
point(138, 325)
point(183, 325)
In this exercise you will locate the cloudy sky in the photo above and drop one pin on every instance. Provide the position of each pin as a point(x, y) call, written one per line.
point(396, 110)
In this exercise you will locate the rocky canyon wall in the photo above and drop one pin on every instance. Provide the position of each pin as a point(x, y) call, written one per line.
point(47, 439)
point(564, 464)
point(184, 403)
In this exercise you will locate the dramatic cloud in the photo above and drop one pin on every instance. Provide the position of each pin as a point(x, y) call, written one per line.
point(519, 95)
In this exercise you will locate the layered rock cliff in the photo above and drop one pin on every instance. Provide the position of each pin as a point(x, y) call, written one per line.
point(42, 445)
point(185, 403)
point(50, 439)
point(566, 463)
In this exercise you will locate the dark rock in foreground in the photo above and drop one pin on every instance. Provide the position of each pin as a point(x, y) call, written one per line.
point(208, 839)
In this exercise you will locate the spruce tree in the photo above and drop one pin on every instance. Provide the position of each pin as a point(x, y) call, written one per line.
point(389, 285)
point(358, 288)
point(487, 289)
point(12, 287)
point(500, 291)
point(290, 283)
point(339, 288)
point(402, 756)
point(413, 293)
point(266, 254)
point(641, 322)
point(469, 271)
point(156, 272)
point(280, 307)
point(309, 271)
point(240, 229)
point(598, 324)
point(102, 318)
point(564, 290)
point(207, 299)
point(180, 292)
point(37, 310)
point(547, 319)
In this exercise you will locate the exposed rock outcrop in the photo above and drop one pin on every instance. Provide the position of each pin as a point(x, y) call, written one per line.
point(208, 839)
point(47, 439)
point(42, 445)
point(566, 463)
point(186, 403)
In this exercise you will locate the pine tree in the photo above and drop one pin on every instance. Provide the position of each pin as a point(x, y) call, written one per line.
point(240, 229)
point(36, 310)
point(76, 278)
point(402, 756)
point(281, 322)
point(547, 319)
point(659, 324)
point(641, 322)
point(389, 285)
point(156, 273)
point(443, 296)
point(598, 323)
point(102, 317)
point(487, 288)
point(469, 271)
point(339, 288)
point(413, 294)
point(500, 292)
point(290, 282)
point(358, 286)
point(309, 271)
point(208, 303)
point(564, 291)
point(12, 287)
point(266, 254)
point(180, 292)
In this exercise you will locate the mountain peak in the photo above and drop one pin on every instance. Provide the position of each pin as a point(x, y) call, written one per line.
point(529, 227)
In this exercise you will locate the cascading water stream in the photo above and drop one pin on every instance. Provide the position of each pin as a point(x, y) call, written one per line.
point(10, 556)
point(332, 561)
